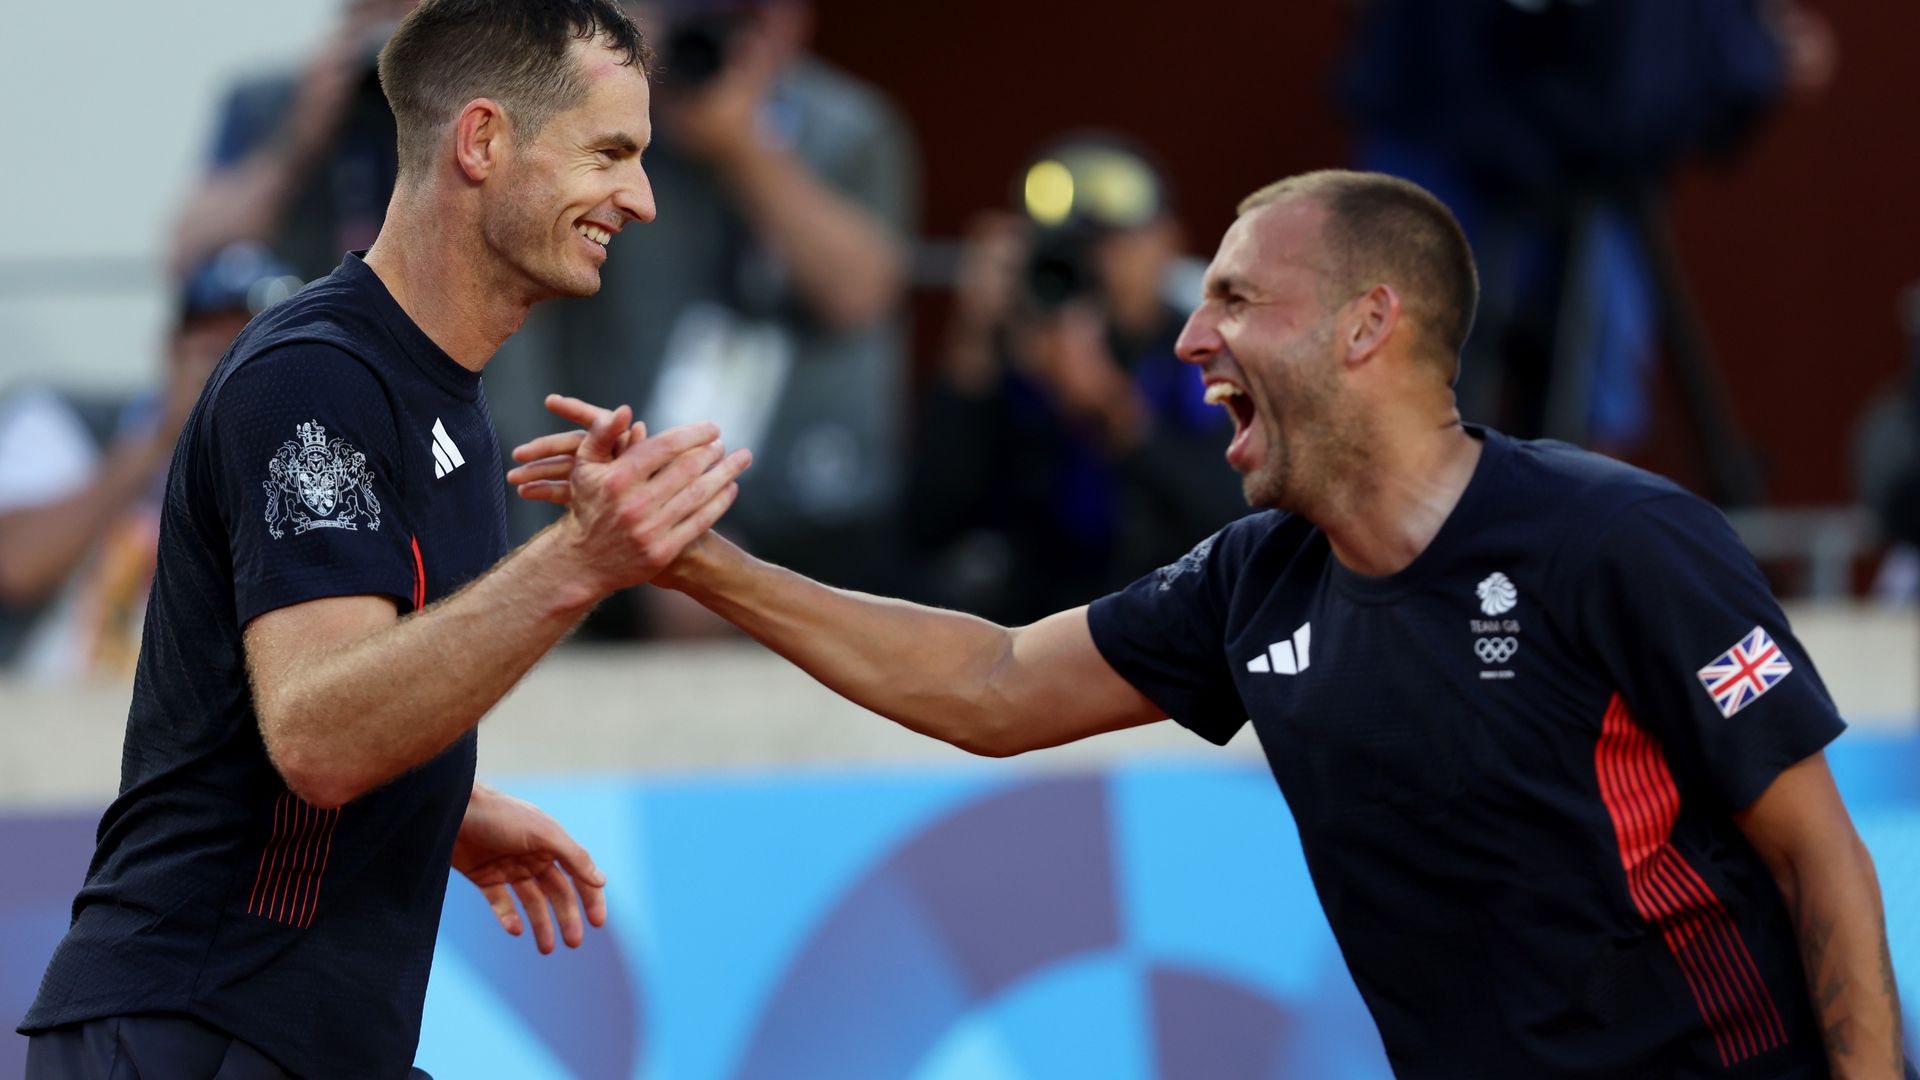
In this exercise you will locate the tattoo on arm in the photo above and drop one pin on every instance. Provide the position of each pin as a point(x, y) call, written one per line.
point(1835, 995)
point(1828, 988)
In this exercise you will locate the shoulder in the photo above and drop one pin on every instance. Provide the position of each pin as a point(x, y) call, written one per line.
point(1582, 475)
point(323, 333)
point(1585, 495)
point(1267, 536)
point(1610, 512)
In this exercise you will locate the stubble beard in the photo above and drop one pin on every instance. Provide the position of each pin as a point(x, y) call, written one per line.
point(1315, 443)
point(519, 235)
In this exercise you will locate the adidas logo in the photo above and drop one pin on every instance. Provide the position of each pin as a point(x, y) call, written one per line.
point(1284, 657)
point(446, 456)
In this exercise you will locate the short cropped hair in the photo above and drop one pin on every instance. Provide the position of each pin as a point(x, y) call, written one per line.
point(449, 52)
point(1382, 229)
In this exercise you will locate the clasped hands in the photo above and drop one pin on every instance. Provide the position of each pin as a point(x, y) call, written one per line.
point(635, 501)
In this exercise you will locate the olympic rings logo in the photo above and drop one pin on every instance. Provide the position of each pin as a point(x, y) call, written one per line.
point(1496, 650)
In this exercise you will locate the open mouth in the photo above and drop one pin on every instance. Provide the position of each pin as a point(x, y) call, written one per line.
point(1234, 400)
point(1242, 454)
point(594, 234)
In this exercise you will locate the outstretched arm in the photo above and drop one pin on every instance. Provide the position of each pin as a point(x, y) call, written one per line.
point(982, 687)
point(1800, 829)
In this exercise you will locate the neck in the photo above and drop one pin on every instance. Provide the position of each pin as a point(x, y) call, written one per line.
point(1379, 522)
point(439, 272)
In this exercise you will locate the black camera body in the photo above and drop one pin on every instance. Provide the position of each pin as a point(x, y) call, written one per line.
point(697, 47)
point(1060, 267)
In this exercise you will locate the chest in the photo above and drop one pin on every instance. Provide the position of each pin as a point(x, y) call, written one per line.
point(1468, 687)
point(455, 490)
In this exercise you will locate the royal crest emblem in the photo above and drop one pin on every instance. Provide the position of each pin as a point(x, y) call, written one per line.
point(317, 483)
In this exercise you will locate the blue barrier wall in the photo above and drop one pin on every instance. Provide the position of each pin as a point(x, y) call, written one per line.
point(1137, 922)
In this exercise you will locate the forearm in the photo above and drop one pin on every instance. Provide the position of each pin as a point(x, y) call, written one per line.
point(1841, 928)
point(346, 721)
point(845, 263)
point(932, 671)
point(244, 201)
point(41, 545)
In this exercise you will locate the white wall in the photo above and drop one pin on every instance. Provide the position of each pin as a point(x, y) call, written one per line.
point(106, 112)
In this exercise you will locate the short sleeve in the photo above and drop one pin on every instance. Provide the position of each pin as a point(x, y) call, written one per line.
point(304, 458)
point(1166, 634)
point(1703, 656)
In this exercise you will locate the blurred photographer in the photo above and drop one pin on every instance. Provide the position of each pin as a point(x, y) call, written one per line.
point(79, 525)
point(1063, 449)
point(766, 297)
point(302, 161)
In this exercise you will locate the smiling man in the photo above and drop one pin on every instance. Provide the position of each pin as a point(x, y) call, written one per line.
point(1553, 751)
point(332, 613)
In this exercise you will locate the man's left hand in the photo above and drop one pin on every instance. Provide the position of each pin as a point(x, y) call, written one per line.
point(510, 847)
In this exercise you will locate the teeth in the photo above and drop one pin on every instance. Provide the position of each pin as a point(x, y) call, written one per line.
point(1218, 393)
point(594, 233)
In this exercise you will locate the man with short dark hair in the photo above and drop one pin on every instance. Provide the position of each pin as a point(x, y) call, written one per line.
point(1553, 751)
point(332, 614)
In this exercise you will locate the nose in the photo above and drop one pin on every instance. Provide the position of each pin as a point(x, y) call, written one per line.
point(633, 199)
point(1200, 339)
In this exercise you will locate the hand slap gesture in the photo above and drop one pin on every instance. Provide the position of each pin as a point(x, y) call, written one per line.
point(634, 501)
point(511, 848)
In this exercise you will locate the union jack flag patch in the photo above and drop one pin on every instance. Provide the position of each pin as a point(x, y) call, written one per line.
point(1737, 677)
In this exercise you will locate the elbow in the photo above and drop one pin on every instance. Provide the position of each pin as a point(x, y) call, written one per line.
point(992, 736)
point(317, 786)
point(311, 771)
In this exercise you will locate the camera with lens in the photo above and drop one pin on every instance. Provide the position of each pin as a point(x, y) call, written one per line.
point(1077, 193)
point(698, 45)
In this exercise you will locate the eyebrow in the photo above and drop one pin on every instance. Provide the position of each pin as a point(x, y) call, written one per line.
point(618, 140)
point(1224, 284)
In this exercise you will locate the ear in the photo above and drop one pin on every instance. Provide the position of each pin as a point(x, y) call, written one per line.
point(480, 138)
point(1373, 316)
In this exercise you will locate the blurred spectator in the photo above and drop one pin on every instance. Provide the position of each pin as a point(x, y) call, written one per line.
point(1887, 466)
point(1063, 449)
point(766, 297)
point(302, 161)
point(78, 527)
point(1551, 127)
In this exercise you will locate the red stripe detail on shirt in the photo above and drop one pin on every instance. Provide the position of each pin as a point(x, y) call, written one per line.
point(286, 887)
point(272, 842)
point(1644, 802)
point(311, 902)
point(419, 577)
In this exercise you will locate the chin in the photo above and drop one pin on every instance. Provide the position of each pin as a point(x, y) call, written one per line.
point(576, 284)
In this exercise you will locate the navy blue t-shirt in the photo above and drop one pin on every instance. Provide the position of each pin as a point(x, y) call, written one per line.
point(1513, 765)
point(335, 451)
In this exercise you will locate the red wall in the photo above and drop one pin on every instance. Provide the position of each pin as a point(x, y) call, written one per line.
point(1795, 256)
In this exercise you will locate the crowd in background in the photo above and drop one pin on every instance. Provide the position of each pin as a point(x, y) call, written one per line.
point(1048, 446)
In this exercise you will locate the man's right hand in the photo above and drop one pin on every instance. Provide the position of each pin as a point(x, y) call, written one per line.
point(632, 509)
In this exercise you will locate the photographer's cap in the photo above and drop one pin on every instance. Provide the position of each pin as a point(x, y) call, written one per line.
point(242, 276)
point(1095, 180)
